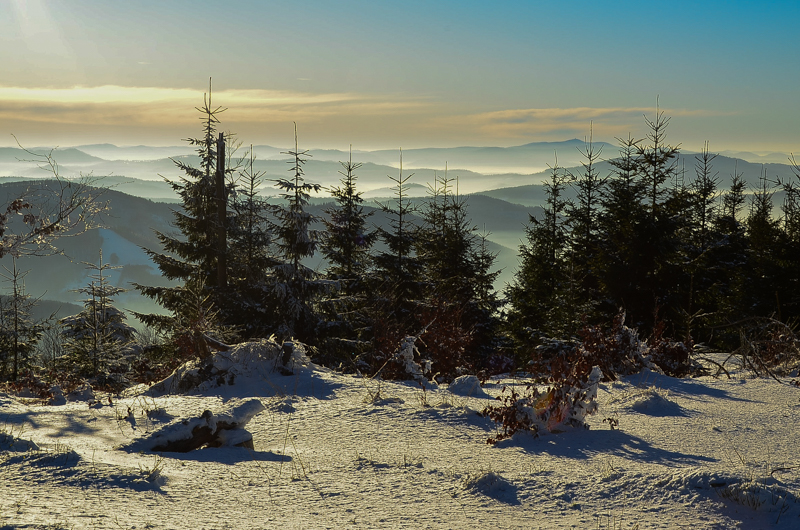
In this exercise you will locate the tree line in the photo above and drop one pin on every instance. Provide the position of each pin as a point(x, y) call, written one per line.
point(679, 259)
point(673, 255)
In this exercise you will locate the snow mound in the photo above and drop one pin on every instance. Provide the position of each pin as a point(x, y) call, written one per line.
point(17, 445)
point(241, 413)
point(249, 360)
point(651, 401)
point(492, 485)
point(468, 386)
point(82, 393)
point(58, 396)
point(764, 494)
point(694, 478)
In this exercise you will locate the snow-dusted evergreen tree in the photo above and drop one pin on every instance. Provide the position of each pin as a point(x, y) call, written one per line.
point(698, 237)
point(18, 332)
point(397, 285)
point(459, 300)
point(346, 244)
point(347, 240)
point(657, 161)
point(724, 263)
point(621, 226)
point(96, 336)
point(583, 251)
point(642, 259)
point(791, 229)
point(538, 294)
point(253, 306)
point(765, 244)
point(198, 258)
point(297, 286)
point(398, 269)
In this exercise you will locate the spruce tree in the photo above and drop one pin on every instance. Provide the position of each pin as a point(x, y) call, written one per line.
point(790, 283)
point(704, 191)
point(297, 287)
point(657, 161)
point(460, 302)
point(253, 306)
point(395, 286)
point(346, 244)
point(19, 333)
point(96, 336)
point(622, 225)
point(347, 241)
point(538, 293)
point(728, 258)
point(765, 240)
point(699, 237)
point(398, 269)
point(198, 258)
point(664, 278)
point(583, 217)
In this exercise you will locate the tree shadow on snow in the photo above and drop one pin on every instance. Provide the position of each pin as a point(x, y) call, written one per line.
point(304, 383)
point(69, 469)
point(685, 387)
point(72, 422)
point(586, 444)
point(497, 487)
point(227, 455)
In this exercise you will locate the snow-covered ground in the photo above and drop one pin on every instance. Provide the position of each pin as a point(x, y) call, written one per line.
point(337, 451)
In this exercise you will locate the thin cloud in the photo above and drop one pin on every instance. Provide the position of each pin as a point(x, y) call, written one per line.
point(524, 123)
point(583, 113)
point(109, 104)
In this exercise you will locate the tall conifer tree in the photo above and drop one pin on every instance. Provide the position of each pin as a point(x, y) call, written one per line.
point(538, 292)
point(297, 287)
point(194, 257)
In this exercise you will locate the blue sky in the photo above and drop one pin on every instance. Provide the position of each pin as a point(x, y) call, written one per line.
point(410, 74)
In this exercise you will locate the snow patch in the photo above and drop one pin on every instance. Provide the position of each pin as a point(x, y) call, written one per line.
point(247, 360)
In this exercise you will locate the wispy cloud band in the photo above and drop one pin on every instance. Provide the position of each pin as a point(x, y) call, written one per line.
point(350, 116)
point(522, 123)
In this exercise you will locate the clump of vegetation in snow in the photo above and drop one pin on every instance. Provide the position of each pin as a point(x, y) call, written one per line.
point(760, 489)
point(569, 371)
point(563, 403)
point(768, 347)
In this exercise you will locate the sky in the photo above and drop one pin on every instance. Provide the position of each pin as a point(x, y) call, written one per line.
point(388, 74)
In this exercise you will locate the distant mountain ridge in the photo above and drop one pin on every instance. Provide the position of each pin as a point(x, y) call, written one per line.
point(478, 169)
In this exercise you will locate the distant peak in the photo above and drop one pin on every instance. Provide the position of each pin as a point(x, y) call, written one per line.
point(562, 142)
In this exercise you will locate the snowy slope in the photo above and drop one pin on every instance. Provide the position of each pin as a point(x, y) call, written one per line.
point(335, 451)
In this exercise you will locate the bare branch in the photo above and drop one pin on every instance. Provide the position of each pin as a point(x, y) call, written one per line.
point(35, 217)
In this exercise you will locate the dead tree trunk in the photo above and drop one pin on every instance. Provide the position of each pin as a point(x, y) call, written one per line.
point(222, 243)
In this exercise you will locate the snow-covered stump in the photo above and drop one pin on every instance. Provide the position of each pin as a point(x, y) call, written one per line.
point(209, 430)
